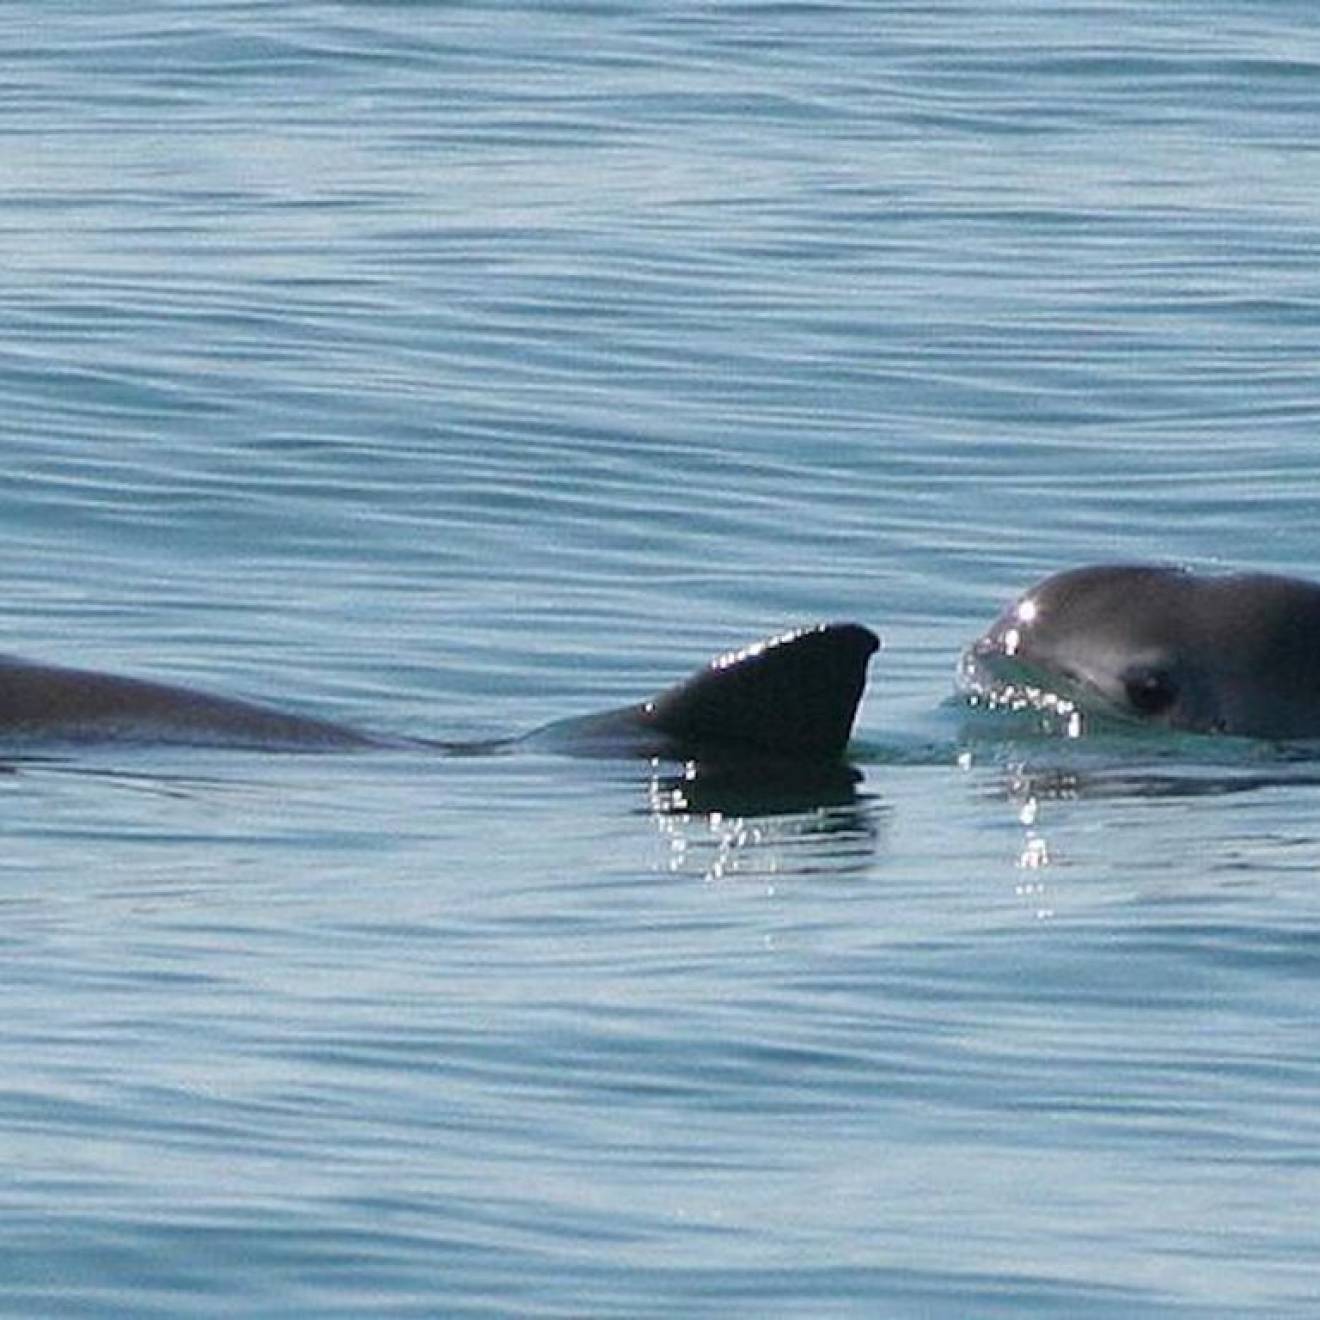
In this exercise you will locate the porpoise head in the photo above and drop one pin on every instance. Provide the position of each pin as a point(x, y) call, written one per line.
point(1236, 654)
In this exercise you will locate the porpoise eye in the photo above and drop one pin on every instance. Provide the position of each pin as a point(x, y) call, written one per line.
point(1149, 691)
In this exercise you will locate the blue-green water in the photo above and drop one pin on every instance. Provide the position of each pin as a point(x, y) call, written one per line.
point(448, 369)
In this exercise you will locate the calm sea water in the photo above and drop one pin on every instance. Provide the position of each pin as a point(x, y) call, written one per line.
point(450, 368)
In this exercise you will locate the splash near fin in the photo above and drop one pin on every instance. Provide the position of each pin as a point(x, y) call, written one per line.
point(795, 694)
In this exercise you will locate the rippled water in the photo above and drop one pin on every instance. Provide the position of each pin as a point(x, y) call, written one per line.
point(448, 369)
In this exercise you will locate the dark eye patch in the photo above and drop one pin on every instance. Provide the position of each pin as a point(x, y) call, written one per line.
point(1150, 690)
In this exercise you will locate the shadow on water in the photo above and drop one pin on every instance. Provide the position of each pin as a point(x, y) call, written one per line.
point(758, 820)
point(1055, 783)
point(155, 781)
point(1039, 759)
point(755, 819)
point(753, 788)
point(746, 787)
point(1022, 754)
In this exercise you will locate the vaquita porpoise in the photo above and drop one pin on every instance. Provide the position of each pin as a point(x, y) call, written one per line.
point(794, 696)
point(1234, 654)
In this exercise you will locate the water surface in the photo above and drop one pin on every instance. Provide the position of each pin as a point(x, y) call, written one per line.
point(449, 369)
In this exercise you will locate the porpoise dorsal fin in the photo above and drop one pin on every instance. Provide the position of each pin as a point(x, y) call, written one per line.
point(795, 694)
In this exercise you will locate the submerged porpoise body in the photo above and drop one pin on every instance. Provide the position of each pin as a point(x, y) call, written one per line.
point(794, 696)
point(1234, 654)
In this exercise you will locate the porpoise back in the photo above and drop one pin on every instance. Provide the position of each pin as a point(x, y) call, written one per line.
point(54, 703)
point(792, 696)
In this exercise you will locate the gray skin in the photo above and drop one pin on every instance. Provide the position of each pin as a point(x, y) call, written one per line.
point(1235, 654)
point(791, 697)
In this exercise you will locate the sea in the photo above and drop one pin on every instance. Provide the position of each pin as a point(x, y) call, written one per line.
point(445, 369)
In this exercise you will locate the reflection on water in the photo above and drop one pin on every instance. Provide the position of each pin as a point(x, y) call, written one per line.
point(1053, 784)
point(1109, 804)
point(753, 787)
point(757, 821)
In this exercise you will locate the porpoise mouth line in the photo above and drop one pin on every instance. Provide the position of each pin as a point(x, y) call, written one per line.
point(990, 680)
